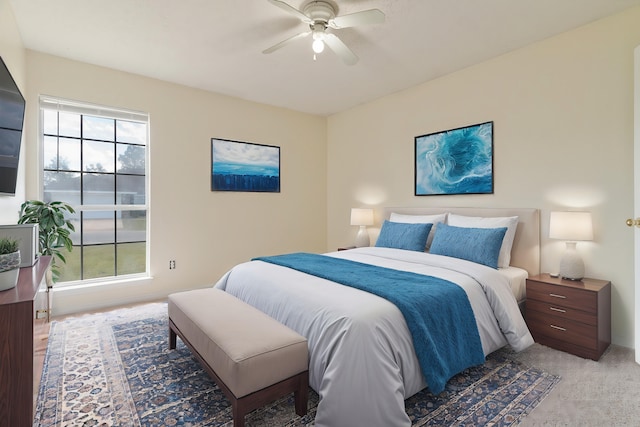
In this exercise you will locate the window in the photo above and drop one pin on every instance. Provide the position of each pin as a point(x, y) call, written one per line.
point(95, 159)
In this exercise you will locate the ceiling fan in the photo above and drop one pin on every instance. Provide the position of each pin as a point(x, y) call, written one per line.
point(320, 15)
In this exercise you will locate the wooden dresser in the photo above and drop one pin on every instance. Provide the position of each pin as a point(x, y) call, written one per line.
point(24, 312)
point(572, 316)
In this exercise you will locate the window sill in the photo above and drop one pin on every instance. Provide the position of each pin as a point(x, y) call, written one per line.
point(96, 283)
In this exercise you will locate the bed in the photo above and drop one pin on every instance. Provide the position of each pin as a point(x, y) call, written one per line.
point(363, 361)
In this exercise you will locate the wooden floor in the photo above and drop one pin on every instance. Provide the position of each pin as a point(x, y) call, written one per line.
point(40, 340)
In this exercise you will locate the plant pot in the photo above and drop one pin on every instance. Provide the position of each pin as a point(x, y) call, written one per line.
point(9, 270)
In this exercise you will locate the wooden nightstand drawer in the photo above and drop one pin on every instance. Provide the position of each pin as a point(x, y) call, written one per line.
point(563, 329)
point(563, 296)
point(562, 311)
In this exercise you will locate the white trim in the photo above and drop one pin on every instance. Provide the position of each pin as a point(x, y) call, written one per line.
point(77, 107)
point(66, 105)
point(86, 208)
point(106, 281)
point(636, 167)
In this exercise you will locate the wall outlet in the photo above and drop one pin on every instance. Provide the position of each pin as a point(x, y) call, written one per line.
point(172, 264)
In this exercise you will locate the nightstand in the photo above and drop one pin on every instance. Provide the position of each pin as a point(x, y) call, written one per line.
point(568, 315)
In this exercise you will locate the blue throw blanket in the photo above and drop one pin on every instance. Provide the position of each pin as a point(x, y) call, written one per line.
point(437, 312)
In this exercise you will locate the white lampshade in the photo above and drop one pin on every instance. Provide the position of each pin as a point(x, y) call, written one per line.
point(572, 227)
point(362, 217)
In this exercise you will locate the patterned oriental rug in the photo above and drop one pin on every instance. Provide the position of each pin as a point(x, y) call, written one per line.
point(115, 369)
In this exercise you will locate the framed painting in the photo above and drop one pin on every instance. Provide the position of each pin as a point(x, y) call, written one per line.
point(456, 161)
point(244, 166)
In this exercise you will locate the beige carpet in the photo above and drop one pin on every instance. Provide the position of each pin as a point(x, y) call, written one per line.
point(603, 393)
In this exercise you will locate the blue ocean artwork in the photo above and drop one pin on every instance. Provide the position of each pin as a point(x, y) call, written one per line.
point(458, 161)
point(241, 166)
point(225, 168)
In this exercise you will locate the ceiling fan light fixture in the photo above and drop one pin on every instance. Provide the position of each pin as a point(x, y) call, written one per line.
point(317, 46)
point(323, 14)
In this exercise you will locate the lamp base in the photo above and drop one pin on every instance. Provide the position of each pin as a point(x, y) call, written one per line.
point(571, 265)
point(362, 238)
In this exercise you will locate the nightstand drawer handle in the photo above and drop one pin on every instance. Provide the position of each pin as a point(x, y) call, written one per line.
point(558, 328)
point(557, 296)
point(557, 309)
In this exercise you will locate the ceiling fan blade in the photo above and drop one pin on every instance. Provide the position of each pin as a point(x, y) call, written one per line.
point(366, 17)
point(286, 42)
point(291, 10)
point(340, 49)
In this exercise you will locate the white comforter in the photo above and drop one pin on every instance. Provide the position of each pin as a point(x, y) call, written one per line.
point(362, 361)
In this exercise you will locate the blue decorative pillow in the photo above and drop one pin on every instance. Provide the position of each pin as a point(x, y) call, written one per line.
point(412, 237)
point(480, 245)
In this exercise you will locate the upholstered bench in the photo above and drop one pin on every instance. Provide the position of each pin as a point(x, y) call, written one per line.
point(253, 358)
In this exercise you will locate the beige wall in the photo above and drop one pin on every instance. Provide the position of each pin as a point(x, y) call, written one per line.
point(13, 54)
point(562, 111)
point(205, 232)
point(563, 139)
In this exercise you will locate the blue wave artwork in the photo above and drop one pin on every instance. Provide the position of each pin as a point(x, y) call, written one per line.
point(458, 161)
point(241, 166)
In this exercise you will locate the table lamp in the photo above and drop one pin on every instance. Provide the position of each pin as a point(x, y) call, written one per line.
point(571, 227)
point(362, 217)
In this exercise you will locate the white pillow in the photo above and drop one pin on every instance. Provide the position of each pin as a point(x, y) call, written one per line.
point(511, 222)
point(420, 219)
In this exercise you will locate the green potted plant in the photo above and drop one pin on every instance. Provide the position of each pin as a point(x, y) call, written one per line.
point(9, 263)
point(55, 229)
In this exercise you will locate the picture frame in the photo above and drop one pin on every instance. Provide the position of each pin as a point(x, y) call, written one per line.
point(455, 161)
point(244, 166)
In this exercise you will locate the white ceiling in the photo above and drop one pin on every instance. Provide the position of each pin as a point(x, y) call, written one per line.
point(216, 45)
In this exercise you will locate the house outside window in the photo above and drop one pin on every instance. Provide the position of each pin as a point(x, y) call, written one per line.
point(95, 158)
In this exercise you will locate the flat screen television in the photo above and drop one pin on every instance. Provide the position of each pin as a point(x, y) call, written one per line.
point(11, 122)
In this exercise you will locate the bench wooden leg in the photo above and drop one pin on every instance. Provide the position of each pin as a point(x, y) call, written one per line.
point(301, 395)
point(172, 337)
point(238, 414)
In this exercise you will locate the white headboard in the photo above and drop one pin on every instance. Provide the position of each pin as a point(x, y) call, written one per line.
point(525, 252)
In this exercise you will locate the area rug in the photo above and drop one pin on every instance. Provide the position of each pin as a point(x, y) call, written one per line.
point(115, 369)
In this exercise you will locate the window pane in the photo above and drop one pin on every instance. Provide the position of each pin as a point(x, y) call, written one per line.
point(133, 132)
point(132, 258)
point(98, 128)
point(98, 157)
point(71, 270)
point(98, 227)
point(69, 154)
point(50, 152)
point(69, 124)
point(130, 190)
point(75, 235)
point(98, 189)
point(50, 122)
point(62, 186)
point(131, 159)
point(99, 261)
point(132, 226)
